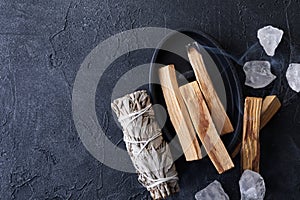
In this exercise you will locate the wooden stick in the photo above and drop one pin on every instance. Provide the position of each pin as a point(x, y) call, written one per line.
point(205, 127)
point(237, 150)
point(215, 106)
point(178, 113)
point(250, 153)
point(270, 107)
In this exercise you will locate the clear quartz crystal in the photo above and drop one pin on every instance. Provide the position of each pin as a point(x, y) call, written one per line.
point(213, 191)
point(258, 74)
point(293, 76)
point(269, 38)
point(252, 186)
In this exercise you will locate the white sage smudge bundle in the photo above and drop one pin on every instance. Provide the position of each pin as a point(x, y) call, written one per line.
point(150, 154)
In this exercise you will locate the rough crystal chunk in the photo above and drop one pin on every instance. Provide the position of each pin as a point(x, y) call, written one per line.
point(213, 191)
point(293, 76)
point(252, 186)
point(258, 74)
point(269, 38)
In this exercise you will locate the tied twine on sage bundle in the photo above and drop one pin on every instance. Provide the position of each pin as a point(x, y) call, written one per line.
point(149, 152)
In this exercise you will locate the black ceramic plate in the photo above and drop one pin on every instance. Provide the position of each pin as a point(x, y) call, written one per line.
point(223, 76)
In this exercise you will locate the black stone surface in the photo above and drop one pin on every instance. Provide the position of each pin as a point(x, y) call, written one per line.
point(43, 43)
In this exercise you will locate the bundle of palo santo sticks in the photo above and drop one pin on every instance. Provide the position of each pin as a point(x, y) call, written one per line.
point(257, 113)
point(196, 110)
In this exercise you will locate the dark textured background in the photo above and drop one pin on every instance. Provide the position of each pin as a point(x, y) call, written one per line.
point(43, 43)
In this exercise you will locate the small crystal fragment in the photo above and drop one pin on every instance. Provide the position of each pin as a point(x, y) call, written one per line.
point(252, 186)
point(258, 74)
point(293, 76)
point(269, 38)
point(212, 192)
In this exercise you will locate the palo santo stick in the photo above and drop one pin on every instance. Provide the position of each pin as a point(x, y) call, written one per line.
point(270, 107)
point(205, 127)
point(250, 153)
point(215, 106)
point(237, 150)
point(178, 113)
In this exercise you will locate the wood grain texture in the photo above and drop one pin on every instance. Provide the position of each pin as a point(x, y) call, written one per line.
point(218, 113)
point(270, 107)
point(179, 114)
point(250, 153)
point(205, 127)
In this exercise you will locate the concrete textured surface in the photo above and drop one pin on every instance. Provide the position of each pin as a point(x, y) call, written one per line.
point(43, 43)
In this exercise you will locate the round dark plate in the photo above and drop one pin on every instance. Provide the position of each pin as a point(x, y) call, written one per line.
point(224, 77)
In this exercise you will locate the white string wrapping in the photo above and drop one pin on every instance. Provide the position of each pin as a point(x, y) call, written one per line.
point(145, 143)
point(148, 151)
